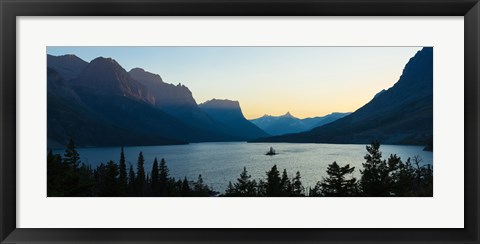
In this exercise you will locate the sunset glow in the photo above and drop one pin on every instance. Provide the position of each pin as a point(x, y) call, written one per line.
point(305, 81)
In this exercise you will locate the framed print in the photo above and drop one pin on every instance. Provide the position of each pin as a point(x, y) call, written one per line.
point(225, 121)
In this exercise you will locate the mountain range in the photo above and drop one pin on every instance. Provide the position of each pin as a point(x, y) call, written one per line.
point(287, 123)
point(99, 103)
point(403, 114)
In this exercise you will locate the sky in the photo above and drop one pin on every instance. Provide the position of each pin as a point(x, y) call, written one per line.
point(305, 81)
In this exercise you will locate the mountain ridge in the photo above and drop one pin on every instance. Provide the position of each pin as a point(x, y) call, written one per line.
point(403, 114)
point(287, 123)
point(104, 105)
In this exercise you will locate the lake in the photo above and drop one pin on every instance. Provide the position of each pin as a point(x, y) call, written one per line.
point(221, 162)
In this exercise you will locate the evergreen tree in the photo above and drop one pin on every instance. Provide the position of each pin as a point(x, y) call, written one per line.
point(375, 181)
point(230, 191)
point(261, 188)
point(177, 188)
point(110, 186)
point(55, 175)
point(77, 181)
point(99, 175)
point(163, 178)
point(286, 185)
point(335, 185)
point(297, 187)
point(71, 156)
point(186, 191)
point(394, 166)
point(273, 187)
point(122, 177)
point(140, 180)
point(71, 161)
point(155, 178)
point(316, 191)
point(131, 181)
point(200, 189)
point(404, 179)
point(244, 187)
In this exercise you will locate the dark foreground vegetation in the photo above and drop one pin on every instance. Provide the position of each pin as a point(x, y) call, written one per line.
point(68, 177)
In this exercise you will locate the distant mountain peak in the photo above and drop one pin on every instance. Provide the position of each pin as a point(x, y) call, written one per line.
point(288, 115)
point(69, 66)
point(105, 60)
point(143, 75)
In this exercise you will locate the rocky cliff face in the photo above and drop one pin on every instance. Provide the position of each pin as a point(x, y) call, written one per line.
point(106, 77)
point(229, 116)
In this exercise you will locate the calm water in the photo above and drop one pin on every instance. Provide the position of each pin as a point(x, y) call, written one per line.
point(222, 162)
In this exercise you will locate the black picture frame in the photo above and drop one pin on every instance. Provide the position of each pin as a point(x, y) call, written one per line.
point(10, 9)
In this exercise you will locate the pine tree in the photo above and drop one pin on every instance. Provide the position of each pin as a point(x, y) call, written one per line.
point(77, 181)
point(316, 191)
point(261, 188)
point(122, 177)
point(110, 182)
point(297, 187)
point(163, 178)
point(375, 180)
point(140, 180)
point(404, 179)
point(335, 185)
point(285, 184)
point(244, 187)
point(131, 181)
point(155, 178)
point(99, 175)
point(200, 189)
point(186, 191)
point(273, 187)
point(55, 175)
point(230, 191)
point(71, 156)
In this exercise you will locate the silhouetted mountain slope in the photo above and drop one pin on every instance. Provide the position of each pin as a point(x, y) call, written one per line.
point(105, 106)
point(106, 77)
point(69, 117)
point(402, 114)
point(68, 66)
point(174, 100)
point(228, 115)
point(166, 95)
point(287, 123)
point(138, 116)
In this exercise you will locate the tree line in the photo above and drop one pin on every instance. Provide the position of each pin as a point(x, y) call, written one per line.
point(67, 176)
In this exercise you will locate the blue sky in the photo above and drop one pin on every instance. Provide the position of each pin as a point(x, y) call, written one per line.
point(306, 81)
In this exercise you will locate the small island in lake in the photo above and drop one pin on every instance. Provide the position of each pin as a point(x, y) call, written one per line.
point(271, 152)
